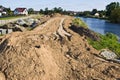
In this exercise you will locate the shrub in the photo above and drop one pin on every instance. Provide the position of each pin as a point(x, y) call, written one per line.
point(107, 41)
point(79, 22)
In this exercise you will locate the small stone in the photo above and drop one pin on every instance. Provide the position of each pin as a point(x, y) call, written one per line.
point(37, 46)
point(68, 56)
point(108, 54)
point(21, 22)
point(88, 49)
point(90, 65)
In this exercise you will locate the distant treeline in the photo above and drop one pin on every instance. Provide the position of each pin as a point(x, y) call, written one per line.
point(112, 12)
point(47, 11)
point(92, 13)
point(60, 10)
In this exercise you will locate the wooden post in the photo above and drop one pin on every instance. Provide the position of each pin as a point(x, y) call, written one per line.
point(7, 31)
point(1, 32)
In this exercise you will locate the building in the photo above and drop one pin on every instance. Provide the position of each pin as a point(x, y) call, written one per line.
point(97, 14)
point(20, 11)
point(2, 11)
point(0, 14)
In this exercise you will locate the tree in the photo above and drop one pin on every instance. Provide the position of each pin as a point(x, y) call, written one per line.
point(102, 13)
point(115, 15)
point(80, 14)
point(111, 7)
point(8, 11)
point(31, 11)
point(86, 13)
point(1, 6)
point(60, 10)
point(65, 12)
point(94, 11)
point(57, 10)
point(113, 12)
point(41, 11)
point(54, 10)
point(46, 11)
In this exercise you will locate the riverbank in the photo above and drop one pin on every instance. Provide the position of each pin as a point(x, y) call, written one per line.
point(103, 18)
point(98, 41)
point(109, 41)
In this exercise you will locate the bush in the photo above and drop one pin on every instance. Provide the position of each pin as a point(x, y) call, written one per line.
point(115, 16)
point(79, 22)
point(108, 41)
point(1, 34)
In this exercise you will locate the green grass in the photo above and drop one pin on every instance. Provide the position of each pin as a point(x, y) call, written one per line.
point(1, 34)
point(79, 22)
point(10, 17)
point(38, 16)
point(108, 41)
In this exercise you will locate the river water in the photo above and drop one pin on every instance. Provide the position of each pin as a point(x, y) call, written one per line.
point(102, 26)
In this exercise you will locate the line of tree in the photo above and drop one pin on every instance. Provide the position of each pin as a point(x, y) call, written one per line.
point(113, 12)
point(47, 11)
point(92, 13)
point(7, 10)
point(31, 11)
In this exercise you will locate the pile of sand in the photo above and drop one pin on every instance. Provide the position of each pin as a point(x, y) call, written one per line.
point(52, 51)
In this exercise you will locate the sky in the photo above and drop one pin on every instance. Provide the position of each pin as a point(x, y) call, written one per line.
point(73, 5)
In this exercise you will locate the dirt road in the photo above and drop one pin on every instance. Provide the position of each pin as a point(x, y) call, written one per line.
point(54, 27)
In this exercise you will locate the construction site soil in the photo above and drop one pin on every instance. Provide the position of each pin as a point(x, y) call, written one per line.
point(53, 51)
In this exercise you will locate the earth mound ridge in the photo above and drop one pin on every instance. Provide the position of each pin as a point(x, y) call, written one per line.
point(53, 51)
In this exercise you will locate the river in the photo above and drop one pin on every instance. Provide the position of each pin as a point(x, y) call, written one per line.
point(102, 26)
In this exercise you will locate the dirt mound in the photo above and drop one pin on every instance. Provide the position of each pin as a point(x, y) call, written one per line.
point(52, 51)
point(85, 32)
point(56, 15)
